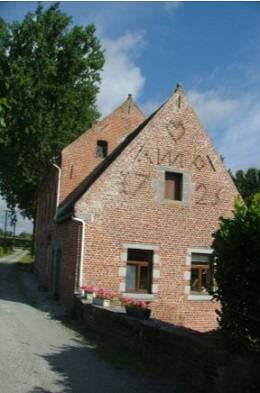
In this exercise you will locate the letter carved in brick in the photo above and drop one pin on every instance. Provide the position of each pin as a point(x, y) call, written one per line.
point(145, 154)
point(198, 162)
point(164, 157)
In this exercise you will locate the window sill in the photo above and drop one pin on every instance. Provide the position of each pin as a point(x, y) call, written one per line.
point(139, 296)
point(200, 297)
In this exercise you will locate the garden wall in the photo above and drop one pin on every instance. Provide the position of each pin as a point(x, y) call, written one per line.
point(196, 359)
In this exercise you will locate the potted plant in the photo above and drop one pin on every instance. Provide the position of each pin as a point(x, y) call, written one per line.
point(88, 291)
point(103, 298)
point(136, 308)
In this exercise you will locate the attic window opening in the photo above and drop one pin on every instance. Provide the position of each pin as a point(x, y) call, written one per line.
point(101, 149)
point(173, 186)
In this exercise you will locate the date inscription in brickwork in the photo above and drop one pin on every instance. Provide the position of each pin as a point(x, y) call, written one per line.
point(206, 196)
point(133, 182)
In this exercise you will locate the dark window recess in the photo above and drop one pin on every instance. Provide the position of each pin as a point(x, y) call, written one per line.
point(173, 186)
point(139, 271)
point(101, 149)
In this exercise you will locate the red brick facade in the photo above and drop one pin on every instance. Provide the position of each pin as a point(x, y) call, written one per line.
point(121, 206)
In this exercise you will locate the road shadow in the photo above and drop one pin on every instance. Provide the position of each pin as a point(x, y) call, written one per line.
point(93, 363)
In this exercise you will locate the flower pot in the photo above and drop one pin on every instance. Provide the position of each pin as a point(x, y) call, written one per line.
point(89, 296)
point(139, 313)
point(81, 292)
point(101, 302)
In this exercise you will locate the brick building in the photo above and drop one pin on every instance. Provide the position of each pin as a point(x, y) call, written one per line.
point(132, 207)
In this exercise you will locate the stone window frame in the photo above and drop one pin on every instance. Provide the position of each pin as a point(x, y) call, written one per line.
point(187, 274)
point(187, 186)
point(155, 270)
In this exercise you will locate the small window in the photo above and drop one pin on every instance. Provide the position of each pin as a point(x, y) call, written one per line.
point(173, 186)
point(201, 274)
point(139, 271)
point(101, 149)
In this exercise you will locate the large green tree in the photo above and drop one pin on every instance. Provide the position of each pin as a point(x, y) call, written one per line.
point(236, 248)
point(50, 75)
point(3, 107)
point(248, 183)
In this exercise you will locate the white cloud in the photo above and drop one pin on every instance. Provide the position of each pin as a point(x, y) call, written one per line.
point(233, 124)
point(171, 6)
point(121, 75)
point(151, 106)
point(212, 108)
point(240, 143)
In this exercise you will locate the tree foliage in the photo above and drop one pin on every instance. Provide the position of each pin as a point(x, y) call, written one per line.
point(3, 108)
point(248, 183)
point(236, 248)
point(50, 75)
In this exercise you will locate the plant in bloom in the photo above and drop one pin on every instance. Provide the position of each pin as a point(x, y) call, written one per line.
point(130, 302)
point(107, 295)
point(88, 288)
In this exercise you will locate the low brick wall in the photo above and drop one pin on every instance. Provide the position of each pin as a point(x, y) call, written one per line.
point(197, 360)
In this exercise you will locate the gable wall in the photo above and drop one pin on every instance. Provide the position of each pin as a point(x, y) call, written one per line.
point(128, 209)
point(79, 158)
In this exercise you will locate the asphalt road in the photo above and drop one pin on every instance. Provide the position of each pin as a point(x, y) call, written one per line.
point(43, 350)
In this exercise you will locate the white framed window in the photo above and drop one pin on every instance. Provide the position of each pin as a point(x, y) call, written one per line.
point(200, 275)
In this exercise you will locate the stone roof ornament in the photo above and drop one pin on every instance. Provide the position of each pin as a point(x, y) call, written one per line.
point(179, 88)
point(130, 104)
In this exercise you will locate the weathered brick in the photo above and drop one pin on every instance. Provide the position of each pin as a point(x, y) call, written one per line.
point(125, 205)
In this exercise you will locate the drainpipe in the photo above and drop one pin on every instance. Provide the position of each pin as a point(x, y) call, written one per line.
point(81, 248)
point(58, 190)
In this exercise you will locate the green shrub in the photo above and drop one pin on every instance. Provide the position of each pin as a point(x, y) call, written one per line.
point(236, 248)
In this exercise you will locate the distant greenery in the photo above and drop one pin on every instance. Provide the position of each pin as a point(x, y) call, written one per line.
point(236, 251)
point(5, 251)
point(248, 183)
point(9, 242)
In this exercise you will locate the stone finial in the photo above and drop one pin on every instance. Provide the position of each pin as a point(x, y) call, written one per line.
point(179, 87)
point(130, 103)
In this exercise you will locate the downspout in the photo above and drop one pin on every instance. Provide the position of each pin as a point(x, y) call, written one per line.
point(58, 190)
point(81, 259)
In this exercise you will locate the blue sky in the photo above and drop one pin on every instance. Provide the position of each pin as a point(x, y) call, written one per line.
point(213, 48)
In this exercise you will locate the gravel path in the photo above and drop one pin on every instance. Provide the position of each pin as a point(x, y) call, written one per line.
point(43, 350)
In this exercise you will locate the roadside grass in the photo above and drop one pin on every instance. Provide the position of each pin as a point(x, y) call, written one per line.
point(4, 252)
point(27, 258)
point(26, 263)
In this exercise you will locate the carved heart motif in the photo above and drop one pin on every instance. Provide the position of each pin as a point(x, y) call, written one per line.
point(176, 130)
